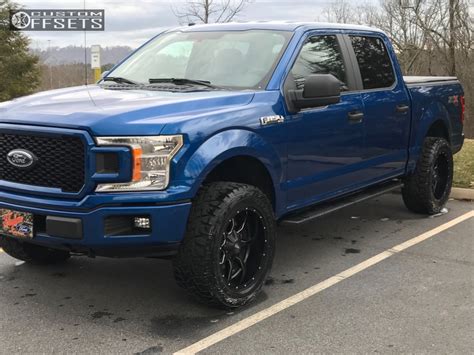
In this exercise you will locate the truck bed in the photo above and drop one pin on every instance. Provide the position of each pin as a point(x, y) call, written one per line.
point(414, 80)
point(435, 97)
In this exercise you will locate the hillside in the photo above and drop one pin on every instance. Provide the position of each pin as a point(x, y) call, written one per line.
point(75, 54)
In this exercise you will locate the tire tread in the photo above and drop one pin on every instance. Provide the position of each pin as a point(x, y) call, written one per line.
point(192, 268)
point(416, 192)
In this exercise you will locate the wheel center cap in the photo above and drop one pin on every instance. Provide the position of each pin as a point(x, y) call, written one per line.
point(237, 248)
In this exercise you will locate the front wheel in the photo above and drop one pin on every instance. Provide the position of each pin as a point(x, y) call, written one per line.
point(428, 189)
point(228, 249)
point(32, 253)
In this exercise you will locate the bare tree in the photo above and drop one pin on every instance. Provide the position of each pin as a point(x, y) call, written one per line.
point(415, 27)
point(208, 11)
point(340, 11)
point(452, 30)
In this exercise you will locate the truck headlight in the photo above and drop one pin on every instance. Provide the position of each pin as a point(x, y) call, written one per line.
point(151, 161)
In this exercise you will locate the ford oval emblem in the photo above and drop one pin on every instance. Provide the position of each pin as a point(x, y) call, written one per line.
point(21, 158)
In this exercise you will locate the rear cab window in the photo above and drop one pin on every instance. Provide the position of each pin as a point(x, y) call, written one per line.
point(375, 65)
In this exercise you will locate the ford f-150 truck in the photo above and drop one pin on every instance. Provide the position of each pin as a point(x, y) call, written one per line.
point(199, 142)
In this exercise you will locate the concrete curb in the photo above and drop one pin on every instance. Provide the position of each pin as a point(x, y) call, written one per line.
point(462, 194)
point(457, 193)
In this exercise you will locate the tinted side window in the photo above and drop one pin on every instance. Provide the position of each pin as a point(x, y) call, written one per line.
point(374, 62)
point(319, 55)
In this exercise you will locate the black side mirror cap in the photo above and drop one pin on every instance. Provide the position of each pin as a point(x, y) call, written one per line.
point(319, 90)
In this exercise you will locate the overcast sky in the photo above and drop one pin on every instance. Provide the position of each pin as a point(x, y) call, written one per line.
point(131, 22)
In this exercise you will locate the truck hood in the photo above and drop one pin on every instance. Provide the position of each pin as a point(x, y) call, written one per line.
point(116, 112)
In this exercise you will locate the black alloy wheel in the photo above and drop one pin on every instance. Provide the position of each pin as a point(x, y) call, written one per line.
point(440, 175)
point(243, 249)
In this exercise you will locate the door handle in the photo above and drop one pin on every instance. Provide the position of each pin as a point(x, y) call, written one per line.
point(402, 108)
point(355, 116)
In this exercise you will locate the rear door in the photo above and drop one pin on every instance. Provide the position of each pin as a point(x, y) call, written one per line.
point(386, 105)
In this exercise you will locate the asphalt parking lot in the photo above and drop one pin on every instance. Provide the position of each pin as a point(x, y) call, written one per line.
point(419, 300)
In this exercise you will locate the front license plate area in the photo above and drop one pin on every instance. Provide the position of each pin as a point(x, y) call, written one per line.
point(16, 224)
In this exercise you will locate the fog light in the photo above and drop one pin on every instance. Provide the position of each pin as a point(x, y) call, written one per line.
point(123, 225)
point(142, 223)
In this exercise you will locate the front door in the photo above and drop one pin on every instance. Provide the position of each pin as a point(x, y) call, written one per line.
point(325, 144)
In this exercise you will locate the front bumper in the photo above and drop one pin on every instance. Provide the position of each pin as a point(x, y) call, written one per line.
point(168, 225)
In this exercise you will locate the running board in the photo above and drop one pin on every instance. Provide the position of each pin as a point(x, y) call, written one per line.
point(337, 204)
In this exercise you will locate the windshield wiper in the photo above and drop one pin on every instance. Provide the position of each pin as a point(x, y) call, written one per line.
point(120, 80)
point(183, 81)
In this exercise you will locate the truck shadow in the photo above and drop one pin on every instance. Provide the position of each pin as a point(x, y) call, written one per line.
point(140, 295)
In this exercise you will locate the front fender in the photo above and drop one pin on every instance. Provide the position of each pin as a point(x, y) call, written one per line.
point(228, 144)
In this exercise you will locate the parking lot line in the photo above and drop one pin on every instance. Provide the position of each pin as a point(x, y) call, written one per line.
point(313, 290)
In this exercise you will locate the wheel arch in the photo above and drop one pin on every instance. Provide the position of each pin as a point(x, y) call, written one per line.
point(244, 169)
point(238, 156)
point(438, 129)
point(433, 121)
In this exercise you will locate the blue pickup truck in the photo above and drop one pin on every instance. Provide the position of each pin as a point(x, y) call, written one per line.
point(196, 145)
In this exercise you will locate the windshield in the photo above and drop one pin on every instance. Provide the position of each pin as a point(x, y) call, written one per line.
point(231, 59)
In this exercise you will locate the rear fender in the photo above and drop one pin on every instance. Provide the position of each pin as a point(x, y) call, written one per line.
point(423, 120)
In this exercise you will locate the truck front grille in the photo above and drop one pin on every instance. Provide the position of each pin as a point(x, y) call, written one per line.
point(60, 161)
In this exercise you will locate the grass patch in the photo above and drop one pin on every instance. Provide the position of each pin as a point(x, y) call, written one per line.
point(464, 166)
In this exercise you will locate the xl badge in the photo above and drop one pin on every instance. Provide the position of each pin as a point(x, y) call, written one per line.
point(271, 120)
point(21, 158)
point(453, 100)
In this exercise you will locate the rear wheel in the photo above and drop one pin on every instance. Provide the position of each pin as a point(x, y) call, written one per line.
point(32, 253)
point(428, 189)
point(229, 246)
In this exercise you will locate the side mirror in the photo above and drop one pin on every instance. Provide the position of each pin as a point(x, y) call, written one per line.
point(319, 90)
point(104, 74)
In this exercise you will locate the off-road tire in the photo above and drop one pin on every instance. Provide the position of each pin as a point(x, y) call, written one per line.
point(195, 265)
point(418, 193)
point(32, 253)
